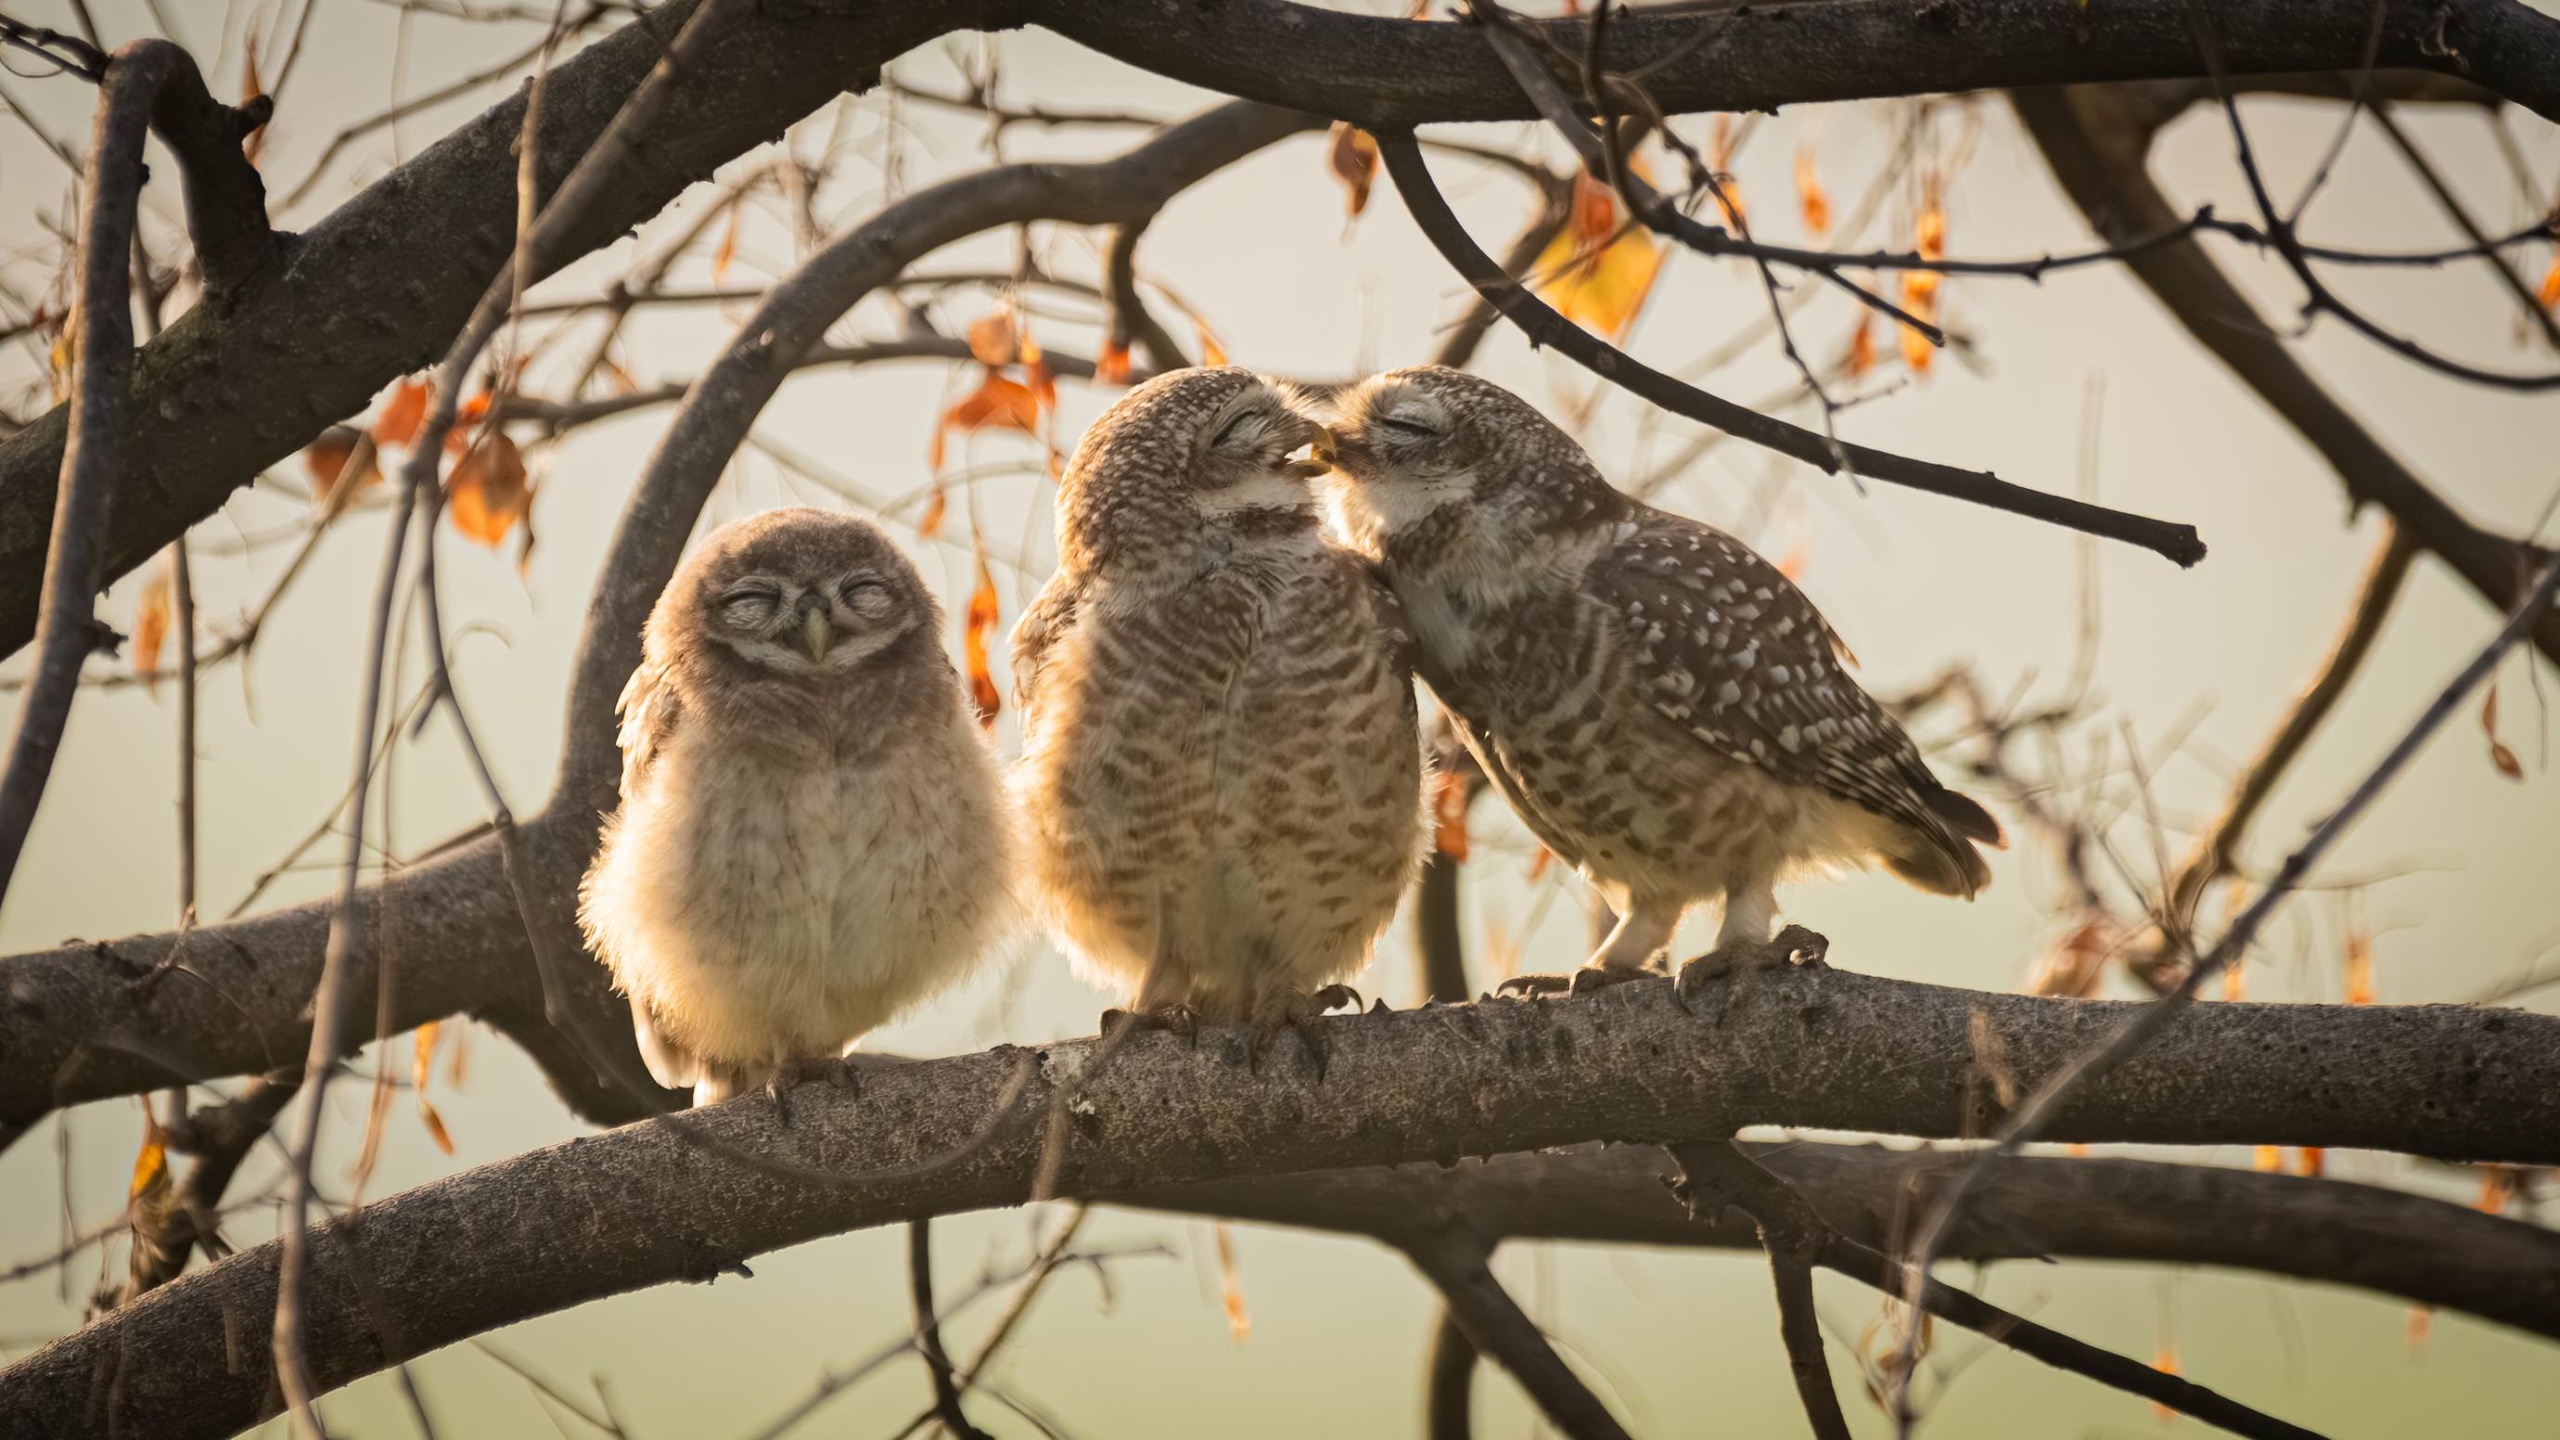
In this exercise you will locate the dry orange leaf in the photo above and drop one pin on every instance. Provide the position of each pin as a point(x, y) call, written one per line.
point(991, 338)
point(2551, 286)
point(1449, 814)
point(487, 493)
point(325, 461)
point(2235, 984)
point(1111, 367)
point(151, 1165)
point(936, 505)
point(1039, 378)
point(151, 626)
point(2359, 964)
point(2311, 1161)
point(2497, 1187)
point(1352, 154)
point(420, 1071)
point(2166, 1362)
point(2421, 1324)
point(1862, 346)
point(2499, 755)
point(976, 626)
point(1920, 287)
point(1792, 565)
point(1212, 352)
point(1811, 198)
point(1231, 1284)
point(2268, 1159)
point(998, 404)
point(1539, 862)
point(727, 254)
point(402, 414)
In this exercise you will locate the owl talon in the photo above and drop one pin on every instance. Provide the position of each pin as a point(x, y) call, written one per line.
point(1181, 1020)
point(1794, 945)
point(1532, 987)
point(1303, 1013)
point(1600, 977)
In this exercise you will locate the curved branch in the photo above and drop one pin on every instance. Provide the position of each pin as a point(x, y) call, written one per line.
point(1544, 326)
point(1454, 1259)
point(640, 1206)
point(385, 280)
point(1131, 322)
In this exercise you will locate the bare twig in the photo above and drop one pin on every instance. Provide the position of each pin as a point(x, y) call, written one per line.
point(2491, 252)
point(1545, 327)
point(1454, 1259)
point(2066, 1085)
point(1449, 1390)
point(928, 1333)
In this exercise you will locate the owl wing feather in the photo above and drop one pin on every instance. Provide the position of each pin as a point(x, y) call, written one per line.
point(648, 707)
point(1050, 618)
point(1725, 646)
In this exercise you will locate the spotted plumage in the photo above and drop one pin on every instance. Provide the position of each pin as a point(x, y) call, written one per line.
point(1221, 773)
point(813, 834)
point(1661, 706)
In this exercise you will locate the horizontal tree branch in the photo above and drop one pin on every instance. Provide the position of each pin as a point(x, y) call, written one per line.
point(378, 287)
point(1816, 1048)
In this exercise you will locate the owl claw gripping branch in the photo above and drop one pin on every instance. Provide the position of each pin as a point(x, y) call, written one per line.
point(1661, 707)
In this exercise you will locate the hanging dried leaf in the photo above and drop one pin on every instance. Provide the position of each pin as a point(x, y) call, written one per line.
point(151, 1165)
point(1920, 287)
point(1811, 199)
point(1598, 275)
point(2499, 1185)
point(727, 254)
point(991, 338)
point(2420, 1325)
point(1231, 1284)
point(1038, 378)
point(1111, 367)
point(2311, 1161)
point(936, 505)
point(1539, 862)
point(2078, 961)
point(997, 404)
point(1212, 351)
point(1861, 357)
point(421, 1070)
point(2268, 1159)
point(977, 624)
point(1449, 814)
point(2076, 1150)
point(487, 493)
point(2359, 965)
point(151, 626)
point(2235, 984)
point(325, 460)
point(402, 414)
point(1352, 154)
point(2551, 286)
point(2166, 1362)
point(2499, 755)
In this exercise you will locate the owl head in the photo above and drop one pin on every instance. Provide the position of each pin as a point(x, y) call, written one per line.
point(1184, 455)
point(1428, 450)
point(797, 596)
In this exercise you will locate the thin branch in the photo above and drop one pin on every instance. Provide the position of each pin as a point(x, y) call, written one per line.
point(1449, 1390)
point(1544, 326)
point(2215, 853)
point(1454, 1259)
point(1801, 1329)
point(2065, 1086)
point(2490, 251)
point(1131, 323)
point(928, 1333)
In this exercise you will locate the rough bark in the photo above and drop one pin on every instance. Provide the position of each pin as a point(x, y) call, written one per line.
point(1824, 1049)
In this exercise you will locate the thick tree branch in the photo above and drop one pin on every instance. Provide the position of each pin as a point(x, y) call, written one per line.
point(2096, 139)
point(376, 289)
point(1544, 326)
point(639, 1206)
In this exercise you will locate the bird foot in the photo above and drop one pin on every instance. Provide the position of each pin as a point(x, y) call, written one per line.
point(1299, 1011)
point(1181, 1020)
point(791, 1074)
point(1794, 945)
point(1580, 982)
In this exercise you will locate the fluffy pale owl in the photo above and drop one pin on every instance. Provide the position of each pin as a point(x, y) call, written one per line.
point(1221, 774)
point(813, 835)
point(1661, 706)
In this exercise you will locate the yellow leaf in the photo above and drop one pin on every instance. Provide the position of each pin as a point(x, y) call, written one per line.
point(151, 626)
point(1598, 276)
point(1352, 154)
point(1231, 1285)
point(977, 624)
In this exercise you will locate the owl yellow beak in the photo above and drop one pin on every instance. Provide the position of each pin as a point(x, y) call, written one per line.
point(1319, 457)
point(816, 634)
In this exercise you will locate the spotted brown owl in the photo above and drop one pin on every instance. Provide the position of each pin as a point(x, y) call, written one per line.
point(813, 834)
point(1662, 707)
point(1221, 774)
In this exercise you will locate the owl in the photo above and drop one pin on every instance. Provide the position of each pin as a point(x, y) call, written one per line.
point(813, 835)
point(1663, 708)
point(1221, 776)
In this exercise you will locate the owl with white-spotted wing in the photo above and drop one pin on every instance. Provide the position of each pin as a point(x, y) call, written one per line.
point(1221, 773)
point(1662, 707)
point(813, 834)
